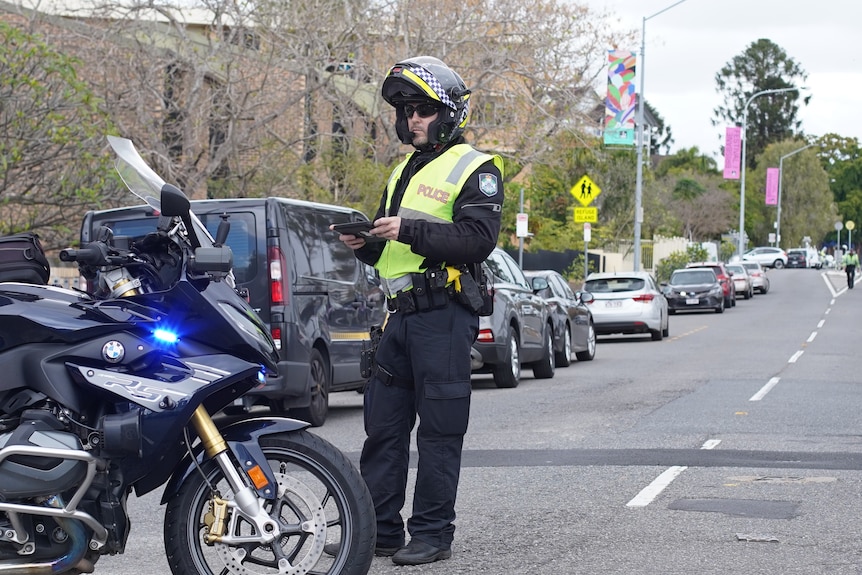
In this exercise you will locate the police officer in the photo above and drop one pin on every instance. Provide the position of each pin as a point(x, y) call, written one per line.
point(440, 210)
point(851, 262)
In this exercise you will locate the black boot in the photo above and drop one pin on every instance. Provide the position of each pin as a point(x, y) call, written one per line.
point(419, 553)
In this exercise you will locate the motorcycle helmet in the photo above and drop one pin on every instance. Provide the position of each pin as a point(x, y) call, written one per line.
point(425, 78)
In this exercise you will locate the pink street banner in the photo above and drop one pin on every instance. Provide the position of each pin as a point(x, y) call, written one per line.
point(772, 186)
point(622, 99)
point(732, 145)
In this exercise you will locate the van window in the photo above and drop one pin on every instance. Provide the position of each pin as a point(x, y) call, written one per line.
point(305, 254)
point(338, 260)
point(241, 240)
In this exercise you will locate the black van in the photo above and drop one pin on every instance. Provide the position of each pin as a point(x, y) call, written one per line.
point(318, 300)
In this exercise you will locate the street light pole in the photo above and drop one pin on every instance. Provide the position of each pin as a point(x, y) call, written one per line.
point(741, 242)
point(780, 176)
point(640, 140)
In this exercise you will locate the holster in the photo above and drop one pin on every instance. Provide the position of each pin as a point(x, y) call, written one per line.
point(475, 293)
point(367, 357)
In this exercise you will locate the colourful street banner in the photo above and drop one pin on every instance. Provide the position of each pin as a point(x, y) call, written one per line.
point(772, 176)
point(732, 145)
point(622, 99)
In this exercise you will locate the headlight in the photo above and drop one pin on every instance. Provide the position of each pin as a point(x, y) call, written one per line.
point(716, 290)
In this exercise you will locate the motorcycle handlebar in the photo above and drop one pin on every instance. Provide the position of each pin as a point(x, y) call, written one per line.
point(93, 254)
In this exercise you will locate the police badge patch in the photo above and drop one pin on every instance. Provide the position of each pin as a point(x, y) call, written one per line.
point(488, 184)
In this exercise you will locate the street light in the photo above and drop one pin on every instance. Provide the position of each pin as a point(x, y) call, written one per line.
point(741, 242)
point(780, 174)
point(640, 122)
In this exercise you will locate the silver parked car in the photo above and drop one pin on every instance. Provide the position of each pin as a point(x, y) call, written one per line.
point(758, 275)
point(628, 302)
point(519, 332)
point(573, 320)
point(741, 280)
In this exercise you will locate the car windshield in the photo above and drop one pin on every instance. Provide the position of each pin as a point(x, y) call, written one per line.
point(692, 277)
point(736, 269)
point(614, 285)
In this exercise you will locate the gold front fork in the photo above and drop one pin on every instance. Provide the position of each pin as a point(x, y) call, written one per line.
point(210, 436)
point(245, 500)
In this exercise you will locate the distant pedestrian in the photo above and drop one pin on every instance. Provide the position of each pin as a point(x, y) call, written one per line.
point(851, 262)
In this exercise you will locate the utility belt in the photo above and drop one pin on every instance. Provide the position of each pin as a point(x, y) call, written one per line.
point(425, 294)
point(435, 288)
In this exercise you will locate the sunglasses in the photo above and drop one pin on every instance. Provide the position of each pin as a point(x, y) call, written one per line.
point(424, 110)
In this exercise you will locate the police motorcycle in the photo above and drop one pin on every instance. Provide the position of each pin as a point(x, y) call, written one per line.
point(112, 392)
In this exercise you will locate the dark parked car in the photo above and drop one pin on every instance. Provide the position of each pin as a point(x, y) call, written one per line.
point(520, 330)
point(317, 299)
point(797, 259)
point(694, 289)
point(573, 322)
point(724, 278)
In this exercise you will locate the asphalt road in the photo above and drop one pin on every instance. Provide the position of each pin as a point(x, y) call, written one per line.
point(734, 446)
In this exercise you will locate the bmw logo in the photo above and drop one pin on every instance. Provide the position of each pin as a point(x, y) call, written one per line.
point(113, 351)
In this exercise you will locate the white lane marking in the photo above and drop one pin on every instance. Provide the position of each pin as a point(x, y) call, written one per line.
point(811, 337)
point(828, 309)
point(765, 389)
point(795, 356)
point(820, 323)
point(651, 491)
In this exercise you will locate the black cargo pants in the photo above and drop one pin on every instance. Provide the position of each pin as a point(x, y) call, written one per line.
point(424, 370)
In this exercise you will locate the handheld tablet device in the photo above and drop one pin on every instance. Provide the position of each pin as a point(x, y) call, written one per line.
point(358, 229)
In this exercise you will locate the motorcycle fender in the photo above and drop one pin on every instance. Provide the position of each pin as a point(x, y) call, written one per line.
point(242, 438)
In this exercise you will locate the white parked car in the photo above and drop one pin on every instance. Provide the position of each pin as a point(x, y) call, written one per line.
point(627, 302)
point(767, 257)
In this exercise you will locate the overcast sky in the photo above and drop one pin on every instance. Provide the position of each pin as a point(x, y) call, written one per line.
point(688, 44)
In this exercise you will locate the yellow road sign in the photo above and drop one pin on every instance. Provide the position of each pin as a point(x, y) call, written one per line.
point(586, 215)
point(585, 191)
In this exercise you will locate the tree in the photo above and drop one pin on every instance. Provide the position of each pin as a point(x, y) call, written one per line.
point(771, 117)
point(52, 161)
point(807, 205)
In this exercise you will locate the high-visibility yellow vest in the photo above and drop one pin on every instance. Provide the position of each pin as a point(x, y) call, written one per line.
point(429, 196)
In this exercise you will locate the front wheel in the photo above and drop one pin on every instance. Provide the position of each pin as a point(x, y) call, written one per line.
point(778, 264)
point(321, 499)
point(508, 373)
point(545, 367)
point(564, 358)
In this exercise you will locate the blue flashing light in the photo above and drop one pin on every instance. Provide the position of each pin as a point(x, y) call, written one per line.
point(261, 376)
point(165, 336)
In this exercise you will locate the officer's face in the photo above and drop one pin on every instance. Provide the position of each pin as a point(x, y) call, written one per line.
point(419, 116)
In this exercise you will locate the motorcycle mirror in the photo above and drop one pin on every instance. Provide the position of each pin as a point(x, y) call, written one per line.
point(175, 203)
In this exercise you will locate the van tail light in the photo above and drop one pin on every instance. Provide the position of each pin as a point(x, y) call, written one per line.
point(277, 267)
point(644, 298)
point(485, 335)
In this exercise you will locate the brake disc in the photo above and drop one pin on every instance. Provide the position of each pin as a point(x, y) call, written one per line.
point(309, 544)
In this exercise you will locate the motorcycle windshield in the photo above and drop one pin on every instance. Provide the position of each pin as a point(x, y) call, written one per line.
point(146, 184)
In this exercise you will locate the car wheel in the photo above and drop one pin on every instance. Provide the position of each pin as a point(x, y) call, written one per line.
point(589, 353)
point(508, 373)
point(666, 331)
point(318, 409)
point(778, 264)
point(544, 368)
point(657, 334)
point(564, 358)
point(720, 308)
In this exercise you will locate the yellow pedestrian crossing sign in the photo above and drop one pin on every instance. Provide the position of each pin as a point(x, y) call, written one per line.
point(585, 191)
